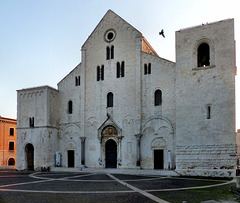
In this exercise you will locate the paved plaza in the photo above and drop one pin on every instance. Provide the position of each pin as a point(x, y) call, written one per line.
point(110, 186)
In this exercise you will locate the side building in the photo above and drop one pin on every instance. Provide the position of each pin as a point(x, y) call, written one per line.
point(123, 106)
point(8, 143)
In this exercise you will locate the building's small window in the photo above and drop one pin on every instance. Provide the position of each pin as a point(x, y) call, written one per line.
point(110, 99)
point(120, 69)
point(208, 112)
point(11, 162)
point(108, 53)
point(77, 80)
point(11, 131)
point(11, 145)
point(203, 54)
point(70, 107)
point(100, 73)
point(158, 98)
point(112, 52)
point(31, 122)
point(147, 68)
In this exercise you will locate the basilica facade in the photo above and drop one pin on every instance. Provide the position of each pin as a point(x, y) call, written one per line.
point(123, 106)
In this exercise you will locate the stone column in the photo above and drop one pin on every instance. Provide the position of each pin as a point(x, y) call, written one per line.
point(138, 155)
point(83, 150)
point(120, 150)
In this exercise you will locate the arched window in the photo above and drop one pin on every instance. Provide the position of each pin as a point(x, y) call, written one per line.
point(110, 99)
point(102, 73)
point(77, 81)
point(149, 68)
point(70, 107)
point(118, 70)
point(112, 52)
point(203, 55)
point(11, 162)
point(98, 73)
point(11, 145)
point(108, 52)
point(158, 98)
point(145, 69)
point(122, 68)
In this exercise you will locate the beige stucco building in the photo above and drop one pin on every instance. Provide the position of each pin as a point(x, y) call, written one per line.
point(123, 106)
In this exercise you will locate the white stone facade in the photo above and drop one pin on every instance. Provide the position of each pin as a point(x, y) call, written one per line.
point(146, 112)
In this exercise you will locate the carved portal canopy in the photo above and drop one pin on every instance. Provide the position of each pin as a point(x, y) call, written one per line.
point(109, 131)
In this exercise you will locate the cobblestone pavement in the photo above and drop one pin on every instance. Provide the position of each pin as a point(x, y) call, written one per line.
point(63, 186)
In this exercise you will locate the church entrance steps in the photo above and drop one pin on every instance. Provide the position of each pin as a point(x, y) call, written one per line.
point(118, 171)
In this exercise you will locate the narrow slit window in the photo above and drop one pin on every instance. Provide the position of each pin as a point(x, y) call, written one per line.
point(108, 53)
point(77, 81)
point(208, 112)
point(31, 122)
point(145, 69)
point(102, 73)
point(122, 69)
point(149, 68)
point(118, 70)
point(98, 73)
point(112, 52)
point(70, 107)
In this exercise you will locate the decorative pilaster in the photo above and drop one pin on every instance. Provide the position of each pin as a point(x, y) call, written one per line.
point(120, 150)
point(100, 148)
point(138, 155)
point(83, 150)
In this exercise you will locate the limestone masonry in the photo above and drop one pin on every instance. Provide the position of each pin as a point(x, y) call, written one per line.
point(123, 106)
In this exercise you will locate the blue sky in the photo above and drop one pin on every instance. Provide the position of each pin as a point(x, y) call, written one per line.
point(40, 41)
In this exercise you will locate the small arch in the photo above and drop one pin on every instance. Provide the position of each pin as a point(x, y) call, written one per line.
point(110, 99)
point(11, 162)
point(203, 55)
point(158, 98)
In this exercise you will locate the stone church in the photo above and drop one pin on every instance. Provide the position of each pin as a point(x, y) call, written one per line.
point(123, 106)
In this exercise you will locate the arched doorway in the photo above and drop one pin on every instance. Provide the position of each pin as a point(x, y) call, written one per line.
point(30, 156)
point(111, 154)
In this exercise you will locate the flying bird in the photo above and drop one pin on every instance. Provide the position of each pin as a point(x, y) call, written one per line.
point(162, 33)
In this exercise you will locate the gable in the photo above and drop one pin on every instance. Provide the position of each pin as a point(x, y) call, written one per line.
point(111, 20)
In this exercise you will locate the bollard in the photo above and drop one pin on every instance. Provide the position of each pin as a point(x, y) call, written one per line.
point(238, 182)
